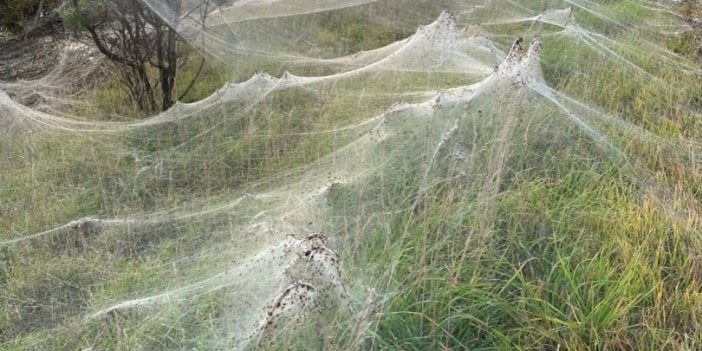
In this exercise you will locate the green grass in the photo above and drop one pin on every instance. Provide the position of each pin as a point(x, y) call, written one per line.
point(109, 99)
point(575, 264)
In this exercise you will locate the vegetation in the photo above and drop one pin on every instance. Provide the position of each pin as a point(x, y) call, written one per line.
point(577, 252)
point(137, 41)
point(690, 43)
point(22, 15)
point(109, 100)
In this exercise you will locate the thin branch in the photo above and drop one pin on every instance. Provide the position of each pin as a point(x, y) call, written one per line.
point(101, 46)
point(203, 16)
point(192, 82)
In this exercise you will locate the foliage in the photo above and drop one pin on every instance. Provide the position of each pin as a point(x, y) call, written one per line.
point(110, 100)
point(15, 14)
point(137, 41)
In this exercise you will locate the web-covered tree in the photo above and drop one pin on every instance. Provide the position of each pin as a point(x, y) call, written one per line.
point(140, 42)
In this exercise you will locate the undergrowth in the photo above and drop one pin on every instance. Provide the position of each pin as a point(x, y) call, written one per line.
point(109, 99)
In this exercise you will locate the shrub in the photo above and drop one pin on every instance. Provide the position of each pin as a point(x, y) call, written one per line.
point(14, 14)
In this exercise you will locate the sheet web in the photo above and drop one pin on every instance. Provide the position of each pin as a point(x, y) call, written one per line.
point(274, 213)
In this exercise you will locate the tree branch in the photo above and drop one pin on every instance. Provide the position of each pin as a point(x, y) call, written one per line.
point(103, 49)
point(203, 16)
point(192, 82)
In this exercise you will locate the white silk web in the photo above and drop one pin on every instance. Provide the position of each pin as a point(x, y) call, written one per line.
point(278, 208)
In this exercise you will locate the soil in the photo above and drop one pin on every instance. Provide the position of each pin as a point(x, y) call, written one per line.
point(30, 56)
point(43, 68)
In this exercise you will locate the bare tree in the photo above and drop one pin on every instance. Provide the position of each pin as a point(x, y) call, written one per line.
point(139, 42)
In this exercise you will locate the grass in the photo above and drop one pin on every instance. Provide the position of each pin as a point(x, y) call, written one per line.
point(109, 99)
point(574, 250)
point(583, 268)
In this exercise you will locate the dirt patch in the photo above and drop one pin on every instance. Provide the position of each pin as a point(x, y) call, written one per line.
point(46, 72)
point(28, 57)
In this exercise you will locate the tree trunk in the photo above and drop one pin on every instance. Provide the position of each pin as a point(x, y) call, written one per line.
point(140, 89)
point(137, 39)
point(168, 72)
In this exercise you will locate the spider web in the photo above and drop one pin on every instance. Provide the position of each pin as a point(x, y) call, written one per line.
point(260, 203)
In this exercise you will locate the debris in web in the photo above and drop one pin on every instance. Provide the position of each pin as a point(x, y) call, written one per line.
point(522, 67)
point(312, 287)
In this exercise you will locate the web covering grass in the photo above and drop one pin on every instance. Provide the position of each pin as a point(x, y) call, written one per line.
point(474, 191)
